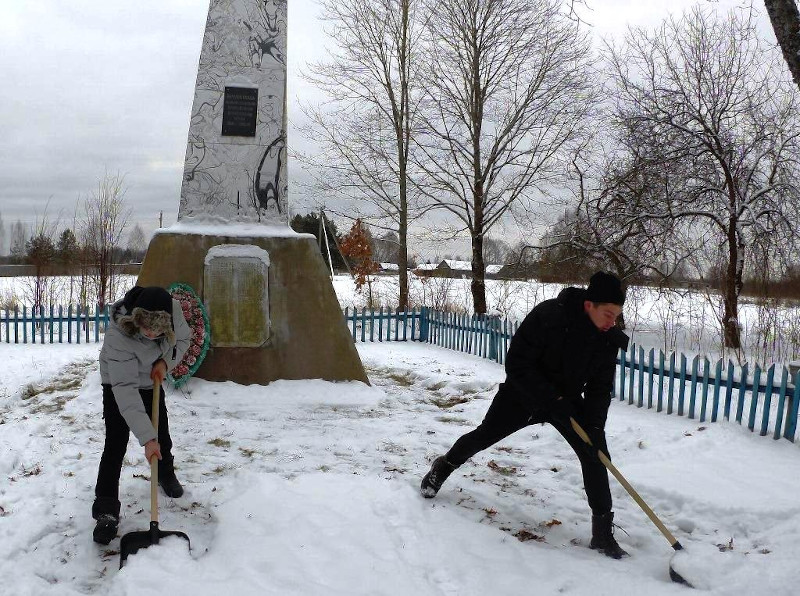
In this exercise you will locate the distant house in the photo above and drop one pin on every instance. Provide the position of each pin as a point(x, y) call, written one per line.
point(425, 269)
point(453, 268)
point(389, 268)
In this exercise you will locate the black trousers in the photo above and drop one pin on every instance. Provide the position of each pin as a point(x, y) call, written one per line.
point(506, 416)
point(106, 490)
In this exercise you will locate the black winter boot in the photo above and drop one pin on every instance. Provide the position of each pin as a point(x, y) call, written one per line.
point(169, 484)
point(603, 536)
point(106, 529)
point(433, 480)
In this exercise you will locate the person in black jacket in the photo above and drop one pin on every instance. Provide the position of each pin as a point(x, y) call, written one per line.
point(560, 365)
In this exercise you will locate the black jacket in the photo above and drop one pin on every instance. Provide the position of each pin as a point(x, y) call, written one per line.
point(558, 352)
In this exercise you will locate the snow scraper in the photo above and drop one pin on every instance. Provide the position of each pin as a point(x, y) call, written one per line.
point(674, 575)
point(135, 541)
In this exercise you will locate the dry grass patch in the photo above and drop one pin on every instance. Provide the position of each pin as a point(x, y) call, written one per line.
point(445, 403)
point(220, 443)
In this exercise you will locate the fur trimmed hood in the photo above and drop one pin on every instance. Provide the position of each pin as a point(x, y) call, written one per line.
point(159, 322)
point(149, 308)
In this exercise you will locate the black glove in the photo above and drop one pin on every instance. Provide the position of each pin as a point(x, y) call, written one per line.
point(561, 410)
point(597, 437)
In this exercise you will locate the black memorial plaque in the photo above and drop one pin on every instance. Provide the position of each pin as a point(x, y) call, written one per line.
point(239, 112)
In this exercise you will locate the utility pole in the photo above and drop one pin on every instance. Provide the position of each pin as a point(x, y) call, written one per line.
point(324, 234)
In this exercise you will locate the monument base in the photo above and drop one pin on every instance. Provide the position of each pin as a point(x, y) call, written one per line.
point(291, 328)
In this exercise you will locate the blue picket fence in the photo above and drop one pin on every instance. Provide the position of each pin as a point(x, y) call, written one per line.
point(766, 400)
point(480, 335)
point(53, 324)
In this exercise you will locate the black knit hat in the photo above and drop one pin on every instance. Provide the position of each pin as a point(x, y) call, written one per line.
point(151, 298)
point(606, 288)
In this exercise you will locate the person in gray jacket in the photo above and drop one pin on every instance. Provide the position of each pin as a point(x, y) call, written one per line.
point(147, 337)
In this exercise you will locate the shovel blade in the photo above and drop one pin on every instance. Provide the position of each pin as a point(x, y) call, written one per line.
point(682, 561)
point(132, 542)
point(678, 578)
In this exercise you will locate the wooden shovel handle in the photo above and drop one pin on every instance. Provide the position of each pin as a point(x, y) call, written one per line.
point(631, 491)
point(154, 460)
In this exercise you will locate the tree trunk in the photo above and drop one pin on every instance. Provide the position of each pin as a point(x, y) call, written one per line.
point(402, 227)
point(103, 279)
point(402, 264)
point(733, 286)
point(785, 19)
point(478, 285)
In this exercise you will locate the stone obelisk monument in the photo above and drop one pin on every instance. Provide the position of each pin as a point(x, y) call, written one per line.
point(271, 305)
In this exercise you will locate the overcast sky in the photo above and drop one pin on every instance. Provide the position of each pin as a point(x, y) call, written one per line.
point(88, 86)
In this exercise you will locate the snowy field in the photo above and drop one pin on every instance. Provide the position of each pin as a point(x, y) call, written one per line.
point(676, 320)
point(679, 320)
point(311, 488)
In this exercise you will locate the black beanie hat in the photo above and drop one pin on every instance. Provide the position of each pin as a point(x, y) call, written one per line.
point(151, 298)
point(605, 287)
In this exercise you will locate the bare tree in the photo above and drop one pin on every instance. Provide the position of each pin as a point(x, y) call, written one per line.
point(508, 83)
point(105, 218)
point(385, 248)
point(19, 236)
point(364, 132)
point(706, 91)
point(41, 254)
point(495, 250)
point(785, 19)
point(612, 226)
point(137, 243)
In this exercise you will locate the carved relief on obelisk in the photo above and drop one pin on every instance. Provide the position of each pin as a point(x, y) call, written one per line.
point(235, 168)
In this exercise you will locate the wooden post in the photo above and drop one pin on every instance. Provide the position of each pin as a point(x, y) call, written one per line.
point(728, 390)
point(781, 403)
point(671, 384)
point(704, 395)
point(641, 378)
point(717, 382)
point(632, 375)
point(751, 422)
point(682, 388)
point(791, 423)
point(693, 389)
point(660, 403)
point(742, 390)
point(767, 399)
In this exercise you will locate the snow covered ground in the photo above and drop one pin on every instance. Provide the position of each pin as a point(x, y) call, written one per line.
point(307, 488)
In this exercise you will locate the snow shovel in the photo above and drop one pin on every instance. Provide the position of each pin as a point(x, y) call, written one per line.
point(674, 575)
point(132, 542)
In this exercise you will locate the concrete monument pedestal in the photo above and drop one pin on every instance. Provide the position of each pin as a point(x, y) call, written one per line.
point(305, 336)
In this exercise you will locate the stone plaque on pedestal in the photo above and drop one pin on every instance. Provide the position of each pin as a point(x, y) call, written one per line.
point(236, 295)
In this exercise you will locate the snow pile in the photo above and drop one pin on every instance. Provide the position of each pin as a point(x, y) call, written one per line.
point(308, 487)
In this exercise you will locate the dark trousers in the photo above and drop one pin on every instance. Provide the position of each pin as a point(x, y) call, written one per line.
point(106, 491)
point(506, 416)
